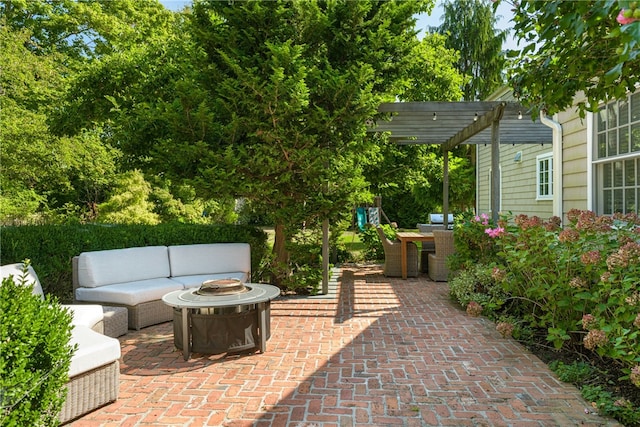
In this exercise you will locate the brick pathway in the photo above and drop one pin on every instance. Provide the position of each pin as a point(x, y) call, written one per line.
point(386, 352)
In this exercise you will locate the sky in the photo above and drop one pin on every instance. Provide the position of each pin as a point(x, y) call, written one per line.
point(424, 21)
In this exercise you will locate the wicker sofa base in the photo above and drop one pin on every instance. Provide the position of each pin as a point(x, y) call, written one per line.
point(91, 390)
point(146, 313)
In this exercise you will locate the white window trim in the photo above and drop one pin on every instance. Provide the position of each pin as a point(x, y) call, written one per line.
point(594, 197)
point(539, 159)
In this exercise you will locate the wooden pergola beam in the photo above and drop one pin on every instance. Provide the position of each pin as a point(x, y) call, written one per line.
point(483, 122)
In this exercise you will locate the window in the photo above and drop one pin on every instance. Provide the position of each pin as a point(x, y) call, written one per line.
point(544, 176)
point(617, 156)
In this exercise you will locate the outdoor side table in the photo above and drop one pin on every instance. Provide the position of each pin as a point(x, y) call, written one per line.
point(198, 318)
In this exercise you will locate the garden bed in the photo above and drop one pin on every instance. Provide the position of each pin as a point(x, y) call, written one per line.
point(605, 373)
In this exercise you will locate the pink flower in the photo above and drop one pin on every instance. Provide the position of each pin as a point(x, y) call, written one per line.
point(623, 20)
point(494, 232)
point(505, 329)
point(635, 375)
point(588, 322)
point(591, 257)
point(474, 309)
point(595, 338)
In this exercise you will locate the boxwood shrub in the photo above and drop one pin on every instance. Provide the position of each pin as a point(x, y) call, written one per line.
point(34, 355)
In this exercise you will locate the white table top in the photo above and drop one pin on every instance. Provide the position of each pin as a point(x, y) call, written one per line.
point(188, 298)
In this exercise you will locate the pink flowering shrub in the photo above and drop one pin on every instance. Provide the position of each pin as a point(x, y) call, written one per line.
point(580, 282)
point(475, 241)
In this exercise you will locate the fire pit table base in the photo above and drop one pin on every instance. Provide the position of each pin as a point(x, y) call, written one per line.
point(212, 324)
point(221, 331)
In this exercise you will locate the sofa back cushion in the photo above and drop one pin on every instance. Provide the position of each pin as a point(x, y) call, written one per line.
point(209, 258)
point(15, 270)
point(100, 268)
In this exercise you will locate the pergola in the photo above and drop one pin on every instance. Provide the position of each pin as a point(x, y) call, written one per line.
point(453, 123)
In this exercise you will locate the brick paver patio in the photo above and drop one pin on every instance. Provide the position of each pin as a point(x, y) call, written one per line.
point(385, 352)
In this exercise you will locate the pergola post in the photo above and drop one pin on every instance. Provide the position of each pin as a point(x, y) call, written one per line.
point(495, 169)
point(325, 256)
point(445, 188)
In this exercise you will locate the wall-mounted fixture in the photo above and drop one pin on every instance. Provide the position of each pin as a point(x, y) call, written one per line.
point(518, 157)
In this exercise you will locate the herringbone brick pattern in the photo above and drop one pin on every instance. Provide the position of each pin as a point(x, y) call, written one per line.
point(386, 352)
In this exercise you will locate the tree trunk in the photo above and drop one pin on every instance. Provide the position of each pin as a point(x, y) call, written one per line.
point(280, 268)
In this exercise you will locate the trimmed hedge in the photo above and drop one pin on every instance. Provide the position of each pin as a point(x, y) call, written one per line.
point(51, 247)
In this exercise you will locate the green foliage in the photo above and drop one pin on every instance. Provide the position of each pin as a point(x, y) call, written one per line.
point(432, 75)
point(608, 405)
point(573, 47)
point(579, 282)
point(470, 29)
point(85, 29)
point(373, 249)
point(581, 374)
point(51, 247)
point(576, 373)
point(476, 283)
point(129, 202)
point(35, 355)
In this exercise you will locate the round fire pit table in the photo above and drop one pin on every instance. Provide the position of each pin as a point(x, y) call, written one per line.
point(200, 314)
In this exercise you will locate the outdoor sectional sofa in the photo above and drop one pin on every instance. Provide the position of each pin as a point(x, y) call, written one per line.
point(137, 278)
point(94, 373)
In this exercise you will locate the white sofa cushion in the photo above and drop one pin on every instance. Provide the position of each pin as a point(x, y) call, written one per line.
point(85, 314)
point(15, 270)
point(94, 350)
point(99, 268)
point(195, 281)
point(129, 293)
point(209, 258)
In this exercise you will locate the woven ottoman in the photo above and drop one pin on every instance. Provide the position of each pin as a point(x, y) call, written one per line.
point(116, 321)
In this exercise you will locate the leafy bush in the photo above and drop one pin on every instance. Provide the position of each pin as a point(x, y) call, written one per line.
point(580, 282)
point(51, 247)
point(620, 409)
point(373, 249)
point(34, 355)
point(575, 373)
point(476, 284)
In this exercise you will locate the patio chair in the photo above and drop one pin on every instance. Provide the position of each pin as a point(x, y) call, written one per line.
point(438, 270)
point(393, 257)
point(427, 247)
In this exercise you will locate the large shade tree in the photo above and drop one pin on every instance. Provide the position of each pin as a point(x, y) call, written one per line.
point(295, 82)
point(470, 26)
point(576, 47)
point(409, 177)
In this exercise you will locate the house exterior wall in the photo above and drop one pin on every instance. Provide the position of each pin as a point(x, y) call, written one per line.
point(518, 180)
point(575, 161)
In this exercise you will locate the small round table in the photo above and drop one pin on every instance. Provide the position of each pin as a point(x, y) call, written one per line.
point(188, 301)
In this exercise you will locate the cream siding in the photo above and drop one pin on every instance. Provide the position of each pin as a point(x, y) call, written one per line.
point(518, 184)
point(574, 153)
